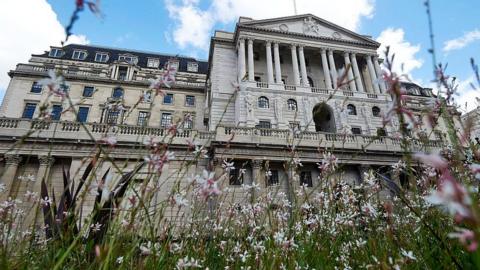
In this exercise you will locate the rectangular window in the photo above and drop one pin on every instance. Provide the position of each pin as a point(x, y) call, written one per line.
point(143, 118)
point(56, 53)
point(263, 125)
point(306, 179)
point(192, 67)
point(356, 131)
point(36, 88)
point(101, 57)
point(128, 59)
point(168, 99)
point(381, 132)
point(190, 101)
point(174, 64)
point(112, 116)
point(188, 121)
point(79, 55)
point(153, 62)
point(82, 114)
point(29, 110)
point(236, 177)
point(166, 120)
point(273, 178)
point(56, 112)
point(88, 91)
point(122, 73)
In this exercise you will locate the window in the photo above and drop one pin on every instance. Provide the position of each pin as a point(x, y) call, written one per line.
point(143, 118)
point(264, 126)
point(306, 179)
point(29, 110)
point(168, 99)
point(381, 132)
point(56, 53)
point(273, 178)
point(82, 114)
point(36, 88)
point(122, 73)
point(356, 131)
point(56, 112)
point(351, 110)
point(310, 82)
point(88, 91)
point(153, 62)
point(166, 120)
point(128, 59)
point(236, 177)
point(190, 101)
point(117, 93)
point(188, 121)
point(173, 64)
point(292, 105)
point(192, 67)
point(101, 57)
point(147, 96)
point(376, 111)
point(263, 103)
point(79, 55)
point(112, 116)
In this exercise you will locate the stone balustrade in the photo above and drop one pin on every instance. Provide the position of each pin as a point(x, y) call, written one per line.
point(38, 129)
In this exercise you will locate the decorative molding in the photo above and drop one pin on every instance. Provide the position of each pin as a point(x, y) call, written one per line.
point(46, 160)
point(12, 159)
point(257, 163)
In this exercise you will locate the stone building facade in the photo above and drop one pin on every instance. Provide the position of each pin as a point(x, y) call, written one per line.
point(268, 86)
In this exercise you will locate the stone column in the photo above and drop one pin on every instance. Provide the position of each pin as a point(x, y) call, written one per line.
point(296, 75)
point(326, 71)
point(356, 72)
point(287, 183)
point(373, 77)
point(251, 63)
point(11, 165)
point(241, 59)
point(278, 69)
point(333, 69)
point(257, 173)
point(303, 66)
point(269, 62)
point(46, 163)
point(351, 79)
point(378, 70)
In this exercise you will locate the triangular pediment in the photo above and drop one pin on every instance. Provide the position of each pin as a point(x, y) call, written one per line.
point(309, 25)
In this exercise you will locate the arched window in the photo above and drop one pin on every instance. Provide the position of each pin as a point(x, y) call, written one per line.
point(351, 110)
point(117, 92)
point(263, 103)
point(376, 111)
point(310, 81)
point(292, 104)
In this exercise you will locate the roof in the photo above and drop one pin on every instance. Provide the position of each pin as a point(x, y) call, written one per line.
point(115, 52)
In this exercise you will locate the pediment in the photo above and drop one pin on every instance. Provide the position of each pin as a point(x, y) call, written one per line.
point(309, 25)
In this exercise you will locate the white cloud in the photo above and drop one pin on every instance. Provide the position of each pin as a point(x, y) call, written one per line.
point(463, 41)
point(27, 27)
point(193, 25)
point(467, 99)
point(405, 53)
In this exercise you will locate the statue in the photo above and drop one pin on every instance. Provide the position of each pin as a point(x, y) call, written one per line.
point(250, 106)
point(309, 25)
point(279, 109)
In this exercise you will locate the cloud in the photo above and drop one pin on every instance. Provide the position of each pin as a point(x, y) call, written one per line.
point(27, 27)
point(194, 24)
point(461, 42)
point(467, 99)
point(405, 53)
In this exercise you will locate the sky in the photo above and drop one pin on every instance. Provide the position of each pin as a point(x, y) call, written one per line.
point(185, 27)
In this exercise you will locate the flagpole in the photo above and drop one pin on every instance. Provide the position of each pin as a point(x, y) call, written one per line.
point(295, 6)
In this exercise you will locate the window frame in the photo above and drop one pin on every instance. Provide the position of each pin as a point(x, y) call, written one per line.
point(351, 109)
point(58, 52)
point(53, 116)
point(155, 61)
point(79, 53)
point(291, 102)
point(80, 109)
point(36, 85)
point(163, 124)
point(306, 180)
point(192, 67)
point(131, 59)
point(186, 101)
point(359, 129)
point(172, 99)
point(32, 114)
point(115, 90)
point(374, 113)
point(93, 91)
point(235, 178)
point(274, 179)
point(265, 101)
point(101, 54)
point(144, 120)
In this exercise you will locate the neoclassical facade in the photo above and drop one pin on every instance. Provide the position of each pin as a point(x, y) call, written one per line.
point(268, 87)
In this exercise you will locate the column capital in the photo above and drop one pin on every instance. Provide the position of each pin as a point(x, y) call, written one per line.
point(323, 50)
point(293, 46)
point(250, 41)
point(300, 47)
point(241, 39)
point(268, 42)
point(46, 160)
point(12, 159)
point(257, 163)
point(276, 43)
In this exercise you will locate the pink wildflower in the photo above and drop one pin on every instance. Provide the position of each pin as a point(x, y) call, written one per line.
point(432, 160)
point(110, 140)
point(466, 238)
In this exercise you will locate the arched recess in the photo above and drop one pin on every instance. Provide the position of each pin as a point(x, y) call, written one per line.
point(324, 118)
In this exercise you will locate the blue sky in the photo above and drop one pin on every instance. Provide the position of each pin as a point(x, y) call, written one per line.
point(184, 26)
